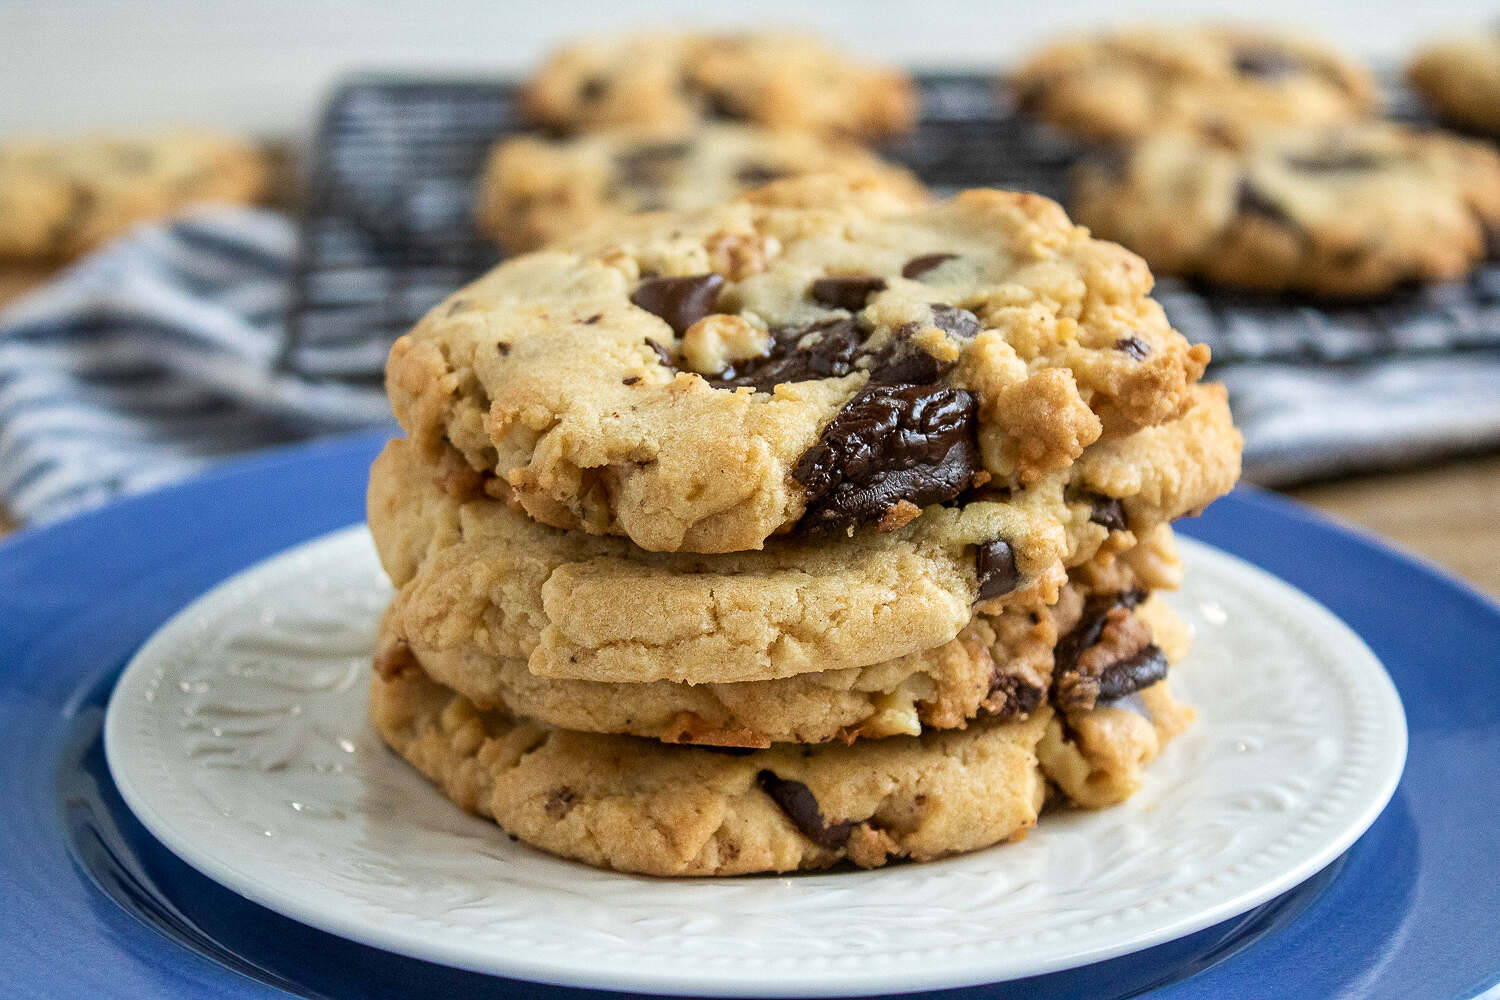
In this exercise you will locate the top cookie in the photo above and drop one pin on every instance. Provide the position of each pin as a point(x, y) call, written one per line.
point(669, 81)
point(1348, 210)
point(816, 356)
point(60, 198)
point(1212, 80)
point(1461, 79)
point(535, 190)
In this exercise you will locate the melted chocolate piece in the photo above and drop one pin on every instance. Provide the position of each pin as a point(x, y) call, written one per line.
point(918, 266)
point(1336, 162)
point(830, 355)
point(1108, 511)
point(756, 174)
point(650, 165)
point(846, 293)
point(1016, 696)
point(632, 380)
point(889, 443)
point(796, 800)
point(593, 88)
point(1251, 200)
point(902, 362)
point(1134, 346)
point(1090, 626)
point(680, 301)
point(661, 353)
point(953, 320)
point(502, 347)
point(995, 563)
point(1267, 63)
point(1130, 675)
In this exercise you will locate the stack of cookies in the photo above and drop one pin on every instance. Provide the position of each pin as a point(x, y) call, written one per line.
point(820, 525)
point(1254, 159)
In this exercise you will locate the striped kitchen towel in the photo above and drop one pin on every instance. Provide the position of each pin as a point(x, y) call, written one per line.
point(152, 358)
point(156, 356)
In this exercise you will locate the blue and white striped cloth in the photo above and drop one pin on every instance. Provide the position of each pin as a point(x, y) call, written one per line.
point(152, 358)
point(156, 356)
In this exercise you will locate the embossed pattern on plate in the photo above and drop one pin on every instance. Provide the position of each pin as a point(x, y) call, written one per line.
point(238, 736)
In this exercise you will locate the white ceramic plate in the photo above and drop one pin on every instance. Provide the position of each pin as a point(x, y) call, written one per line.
point(238, 736)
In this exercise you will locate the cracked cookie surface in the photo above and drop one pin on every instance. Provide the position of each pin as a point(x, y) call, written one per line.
point(819, 355)
point(1346, 211)
point(60, 198)
point(535, 189)
point(1214, 81)
point(668, 81)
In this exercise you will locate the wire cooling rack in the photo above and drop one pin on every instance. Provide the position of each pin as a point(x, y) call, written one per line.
point(389, 231)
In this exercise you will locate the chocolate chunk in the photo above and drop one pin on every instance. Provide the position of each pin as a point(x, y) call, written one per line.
point(1090, 626)
point(1251, 200)
point(796, 800)
point(680, 301)
point(1134, 346)
point(955, 321)
point(593, 319)
point(995, 563)
point(502, 347)
point(889, 443)
point(846, 293)
point(902, 362)
point(832, 348)
point(1012, 696)
point(1130, 675)
point(1107, 511)
point(1336, 162)
point(918, 266)
point(632, 380)
point(756, 174)
point(650, 165)
point(593, 88)
point(661, 353)
point(1267, 63)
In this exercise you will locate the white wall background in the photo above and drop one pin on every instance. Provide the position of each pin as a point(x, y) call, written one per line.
point(265, 65)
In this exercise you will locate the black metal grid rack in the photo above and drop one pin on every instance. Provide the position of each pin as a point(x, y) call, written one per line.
point(389, 230)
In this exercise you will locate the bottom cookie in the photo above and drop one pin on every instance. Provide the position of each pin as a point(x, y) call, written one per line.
point(635, 805)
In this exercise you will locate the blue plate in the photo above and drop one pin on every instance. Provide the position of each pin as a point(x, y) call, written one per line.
point(92, 906)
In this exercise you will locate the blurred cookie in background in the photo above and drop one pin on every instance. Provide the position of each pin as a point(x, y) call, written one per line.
point(60, 198)
point(1460, 79)
point(535, 190)
point(1345, 211)
point(1211, 80)
point(668, 81)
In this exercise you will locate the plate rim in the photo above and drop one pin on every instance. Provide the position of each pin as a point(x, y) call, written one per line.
point(741, 980)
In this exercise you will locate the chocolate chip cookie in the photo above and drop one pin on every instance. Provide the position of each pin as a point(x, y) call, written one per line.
point(535, 189)
point(639, 805)
point(1461, 80)
point(818, 358)
point(62, 198)
point(1000, 666)
point(1350, 210)
point(668, 82)
point(1209, 80)
point(475, 573)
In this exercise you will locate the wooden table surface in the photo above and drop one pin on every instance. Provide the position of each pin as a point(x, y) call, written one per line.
point(1449, 513)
